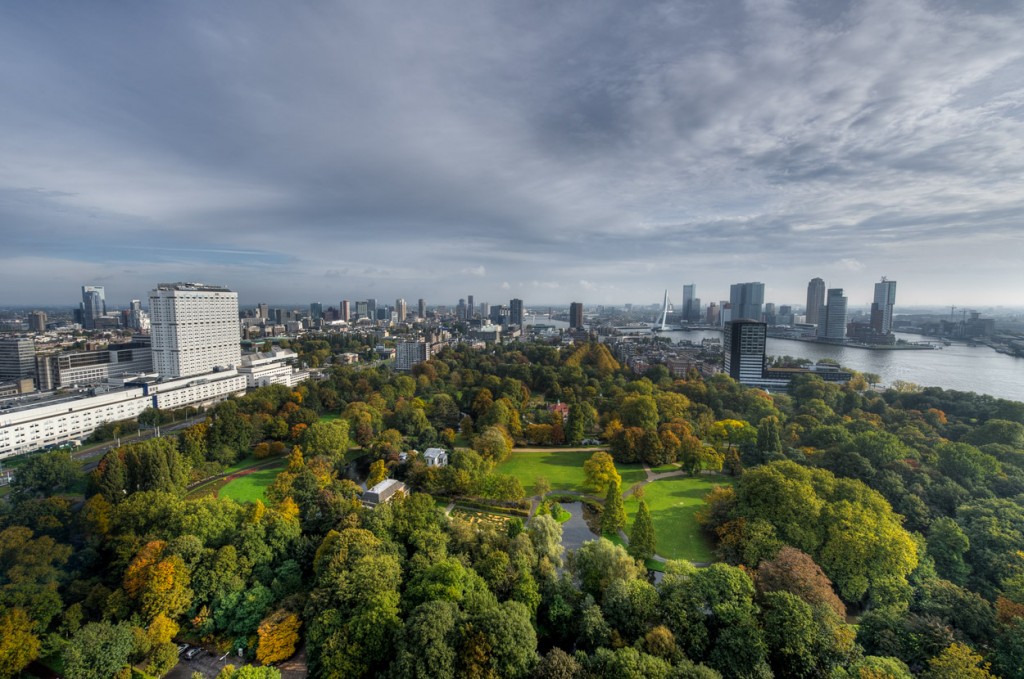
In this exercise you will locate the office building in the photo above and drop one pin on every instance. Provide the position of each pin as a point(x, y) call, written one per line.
point(576, 316)
point(712, 317)
point(832, 316)
point(37, 321)
point(92, 367)
point(362, 310)
point(17, 359)
point(316, 312)
point(499, 314)
point(345, 311)
point(815, 300)
point(460, 310)
point(746, 300)
point(263, 310)
point(470, 307)
point(421, 308)
point(515, 312)
point(408, 354)
point(691, 311)
point(272, 367)
point(881, 307)
point(195, 329)
point(94, 305)
point(400, 309)
point(744, 347)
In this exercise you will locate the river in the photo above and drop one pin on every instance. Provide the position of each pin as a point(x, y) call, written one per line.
point(958, 366)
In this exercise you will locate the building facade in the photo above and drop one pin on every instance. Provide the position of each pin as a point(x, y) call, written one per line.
point(815, 300)
point(744, 350)
point(94, 305)
point(408, 354)
point(881, 307)
point(576, 316)
point(515, 312)
point(746, 300)
point(195, 329)
point(832, 316)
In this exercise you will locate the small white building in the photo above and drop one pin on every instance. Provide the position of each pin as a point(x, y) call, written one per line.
point(435, 457)
point(383, 492)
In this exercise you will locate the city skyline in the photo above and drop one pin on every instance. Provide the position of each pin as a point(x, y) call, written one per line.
point(547, 153)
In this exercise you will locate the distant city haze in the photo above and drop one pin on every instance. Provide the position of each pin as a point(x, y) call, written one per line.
point(600, 152)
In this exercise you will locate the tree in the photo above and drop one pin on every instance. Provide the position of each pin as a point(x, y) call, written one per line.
point(639, 411)
point(947, 545)
point(327, 438)
point(613, 518)
point(18, 644)
point(795, 572)
point(493, 444)
point(546, 537)
point(599, 472)
point(278, 635)
point(378, 472)
point(768, 442)
point(957, 662)
point(641, 539)
point(599, 563)
point(45, 474)
point(541, 486)
point(99, 650)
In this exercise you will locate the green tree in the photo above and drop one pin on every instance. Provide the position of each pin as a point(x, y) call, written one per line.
point(768, 442)
point(378, 472)
point(957, 662)
point(493, 444)
point(44, 474)
point(99, 650)
point(599, 563)
point(641, 539)
point(947, 545)
point(327, 438)
point(613, 518)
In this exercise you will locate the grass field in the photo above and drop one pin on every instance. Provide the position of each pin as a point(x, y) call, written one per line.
point(562, 468)
point(251, 487)
point(673, 503)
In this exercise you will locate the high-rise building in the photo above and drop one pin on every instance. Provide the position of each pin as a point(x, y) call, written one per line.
point(17, 358)
point(691, 309)
point(421, 308)
point(746, 300)
point(832, 316)
point(499, 314)
point(576, 315)
point(400, 309)
point(515, 312)
point(408, 354)
point(363, 310)
point(94, 305)
point(135, 315)
point(345, 311)
point(712, 317)
point(815, 299)
point(195, 328)
point(744, 347)
point(881, 308)
point(263, 310)
point(371, 309)
point(316, 311)
point(470, 309)
point(37, 321)
point(460, 310)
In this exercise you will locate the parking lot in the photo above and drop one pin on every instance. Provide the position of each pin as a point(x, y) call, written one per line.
point(209, 665)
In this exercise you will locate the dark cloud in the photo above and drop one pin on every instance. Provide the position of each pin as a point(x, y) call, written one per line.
point(597, 150)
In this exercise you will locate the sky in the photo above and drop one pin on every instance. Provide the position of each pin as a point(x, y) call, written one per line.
point(552, 151)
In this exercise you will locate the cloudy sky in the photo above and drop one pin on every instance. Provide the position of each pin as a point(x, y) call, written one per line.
point(553, 151)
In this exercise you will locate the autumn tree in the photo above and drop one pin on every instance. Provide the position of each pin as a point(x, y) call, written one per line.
point(278, 636)
point(599, 472)
point(18, 644)
point(378, 472)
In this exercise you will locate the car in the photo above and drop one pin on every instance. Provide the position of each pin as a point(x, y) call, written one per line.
point(193, 652)
point(182, 648)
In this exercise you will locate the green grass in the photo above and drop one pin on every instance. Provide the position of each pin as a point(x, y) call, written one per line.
point(674, 467)
point(252, 487)
point(562, 468)
point(330, 417)
point(674, 503)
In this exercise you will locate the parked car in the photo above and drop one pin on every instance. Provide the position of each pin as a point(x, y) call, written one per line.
point(182, 648)
point(193, 652)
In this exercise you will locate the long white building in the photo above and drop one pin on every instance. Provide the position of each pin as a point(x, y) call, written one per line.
point(194, 329)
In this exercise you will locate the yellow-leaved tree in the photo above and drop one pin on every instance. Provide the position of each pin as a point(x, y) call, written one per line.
point(279, 635)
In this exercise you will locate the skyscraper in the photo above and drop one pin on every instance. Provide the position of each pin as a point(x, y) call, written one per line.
point(746, 300)
point(94, 305)
point(515, 312)
point(576, 315)
point(400, 309)
point(37, 321)
point(17, 358)
point(832, 316)
point(316, 311)
point(815, 299)
point(346, 311)
point(421, 308)
point(691, 310)
point(744, 347)
point(881, 308)
point(470, 309)
point(194, 328)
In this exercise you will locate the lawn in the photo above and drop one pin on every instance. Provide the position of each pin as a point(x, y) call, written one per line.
point(562, 468)
point(251, 487)
point(673, 503)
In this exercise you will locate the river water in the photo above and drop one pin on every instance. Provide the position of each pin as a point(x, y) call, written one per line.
point(958, 366)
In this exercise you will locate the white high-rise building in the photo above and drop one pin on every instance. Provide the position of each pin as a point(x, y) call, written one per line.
point(194, 328)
